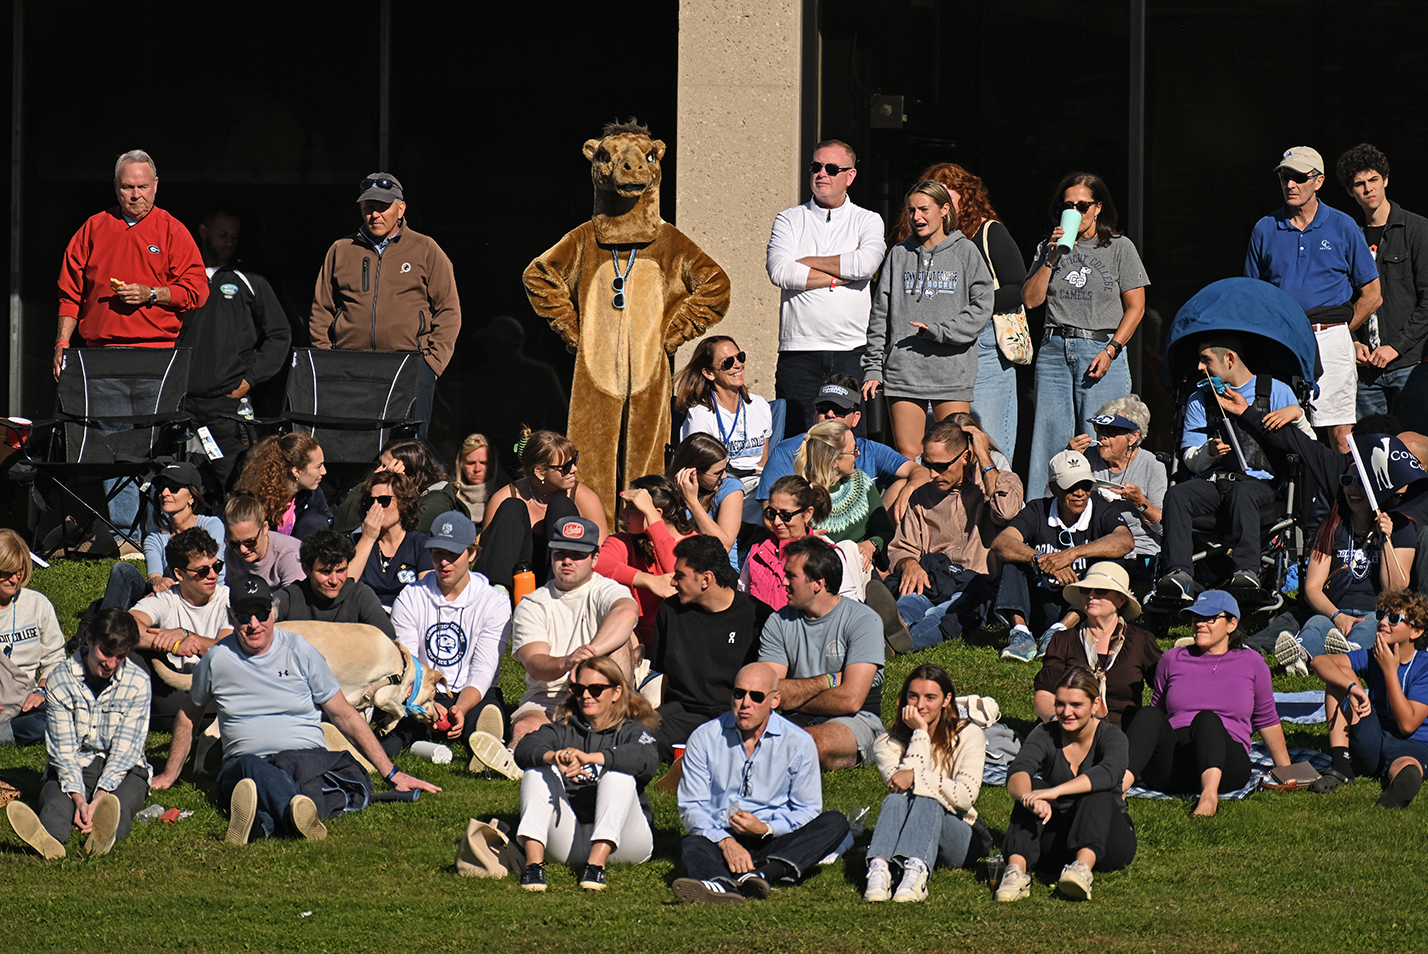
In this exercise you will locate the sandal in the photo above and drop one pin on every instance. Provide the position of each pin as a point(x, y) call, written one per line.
point(1329, 780)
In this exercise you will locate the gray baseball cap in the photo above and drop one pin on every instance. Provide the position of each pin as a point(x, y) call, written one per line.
point(452, 531)
point(380, 187)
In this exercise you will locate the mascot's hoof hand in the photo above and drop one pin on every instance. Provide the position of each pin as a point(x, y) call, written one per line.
point(442, 725)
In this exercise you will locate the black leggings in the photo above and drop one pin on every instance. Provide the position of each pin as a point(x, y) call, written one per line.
point(1094, 820)
point(509, 540)
point(1172, 760)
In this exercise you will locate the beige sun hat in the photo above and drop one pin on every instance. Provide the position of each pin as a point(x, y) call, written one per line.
point(1104, 576)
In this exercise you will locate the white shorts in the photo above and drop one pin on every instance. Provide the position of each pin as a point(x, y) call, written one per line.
point(1339, 384)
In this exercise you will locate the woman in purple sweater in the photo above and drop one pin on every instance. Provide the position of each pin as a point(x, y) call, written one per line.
point(1207, 700)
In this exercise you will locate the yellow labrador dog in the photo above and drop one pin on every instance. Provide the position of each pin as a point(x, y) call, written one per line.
point(373, 671)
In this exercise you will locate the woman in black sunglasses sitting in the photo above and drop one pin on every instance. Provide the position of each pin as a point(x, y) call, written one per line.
point(390, 552)
point(583, 800)
point(711, 390)
point(178, 505)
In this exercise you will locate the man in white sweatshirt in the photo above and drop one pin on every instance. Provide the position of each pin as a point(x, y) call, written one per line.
point(454, 622)
point(822, 255)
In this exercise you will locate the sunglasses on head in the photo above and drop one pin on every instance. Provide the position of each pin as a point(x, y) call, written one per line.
point(832, 168)
point(753, 694)
point(383, 500)
point(375, 183)
point(728, 363)
point(1287, 175)
point(785, 515)
point(568, 466)
point(1393, 619)
point(1082, 207)
point(214, 568)
point(595, 689)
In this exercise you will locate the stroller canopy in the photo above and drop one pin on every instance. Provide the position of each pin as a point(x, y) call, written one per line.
point(1282, 345)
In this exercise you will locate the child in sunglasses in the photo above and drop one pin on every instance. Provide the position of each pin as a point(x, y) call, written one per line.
point(583, 800)
point(931, 760)
point(1382, 731)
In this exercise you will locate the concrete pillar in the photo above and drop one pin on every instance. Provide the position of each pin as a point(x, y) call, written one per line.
point(740, 150)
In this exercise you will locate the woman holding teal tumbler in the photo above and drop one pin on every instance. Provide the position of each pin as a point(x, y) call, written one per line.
point(1092, 282)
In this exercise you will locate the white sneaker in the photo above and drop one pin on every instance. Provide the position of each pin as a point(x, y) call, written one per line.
point(879, 881)
point(242, 809)
point(913, 886)
point(488, 752)
point(1075, 882)
point(1015, 885)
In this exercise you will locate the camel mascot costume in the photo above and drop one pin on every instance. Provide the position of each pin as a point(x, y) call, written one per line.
point(624, 290)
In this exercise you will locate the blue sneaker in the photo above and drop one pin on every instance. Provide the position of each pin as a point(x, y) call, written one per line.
point(1045, 639)
point(1021, 645)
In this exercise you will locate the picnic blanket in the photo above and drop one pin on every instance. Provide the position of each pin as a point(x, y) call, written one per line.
point(1300, 708)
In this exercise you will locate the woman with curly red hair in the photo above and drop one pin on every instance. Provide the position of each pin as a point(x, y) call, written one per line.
point(285, 474)
point(994, 395)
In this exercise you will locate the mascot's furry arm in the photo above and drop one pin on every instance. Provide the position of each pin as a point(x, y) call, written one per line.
point(549, 279)
point(707, 301)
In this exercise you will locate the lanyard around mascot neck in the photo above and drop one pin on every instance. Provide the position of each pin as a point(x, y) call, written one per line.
point(618, 284)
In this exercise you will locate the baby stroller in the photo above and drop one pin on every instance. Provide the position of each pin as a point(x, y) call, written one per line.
point(1279, 343)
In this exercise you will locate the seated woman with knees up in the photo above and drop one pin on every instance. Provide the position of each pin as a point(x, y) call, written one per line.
point(583, 800)
point(1208, 698)
point(1381, 730)
point(931, 760)
point(1067, 784)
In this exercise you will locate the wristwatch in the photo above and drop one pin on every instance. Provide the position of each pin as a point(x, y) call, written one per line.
point(153, 296)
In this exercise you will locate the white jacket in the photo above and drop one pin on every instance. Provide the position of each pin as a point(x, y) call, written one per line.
point(825, 319)
point(464, 638)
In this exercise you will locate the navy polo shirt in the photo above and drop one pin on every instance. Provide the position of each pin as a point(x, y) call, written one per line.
point(1319, 266)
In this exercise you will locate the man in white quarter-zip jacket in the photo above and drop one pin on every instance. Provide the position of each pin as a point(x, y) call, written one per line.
point(454, 622)
point(822, 255)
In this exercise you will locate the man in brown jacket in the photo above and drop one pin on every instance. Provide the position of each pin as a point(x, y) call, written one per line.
point(366, 301)
point(957, 514)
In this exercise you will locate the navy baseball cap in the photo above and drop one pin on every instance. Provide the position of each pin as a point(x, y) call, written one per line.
point(1115, 420)
point(575, 533)
point(1212, 603)
point(839, 395)
point(452, 531)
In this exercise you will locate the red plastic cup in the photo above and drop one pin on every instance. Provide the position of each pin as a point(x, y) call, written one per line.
point(17, 430)
point(678, 752)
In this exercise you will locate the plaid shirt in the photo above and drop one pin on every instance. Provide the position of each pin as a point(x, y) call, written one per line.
point(80, 727)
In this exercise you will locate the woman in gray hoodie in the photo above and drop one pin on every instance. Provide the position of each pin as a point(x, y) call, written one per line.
point(933, 298)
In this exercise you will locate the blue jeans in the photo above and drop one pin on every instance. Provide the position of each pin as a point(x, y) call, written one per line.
point(1062, 386)
point(126, 586)
point(994, 400)
point(923, 618)
point(1311, 636)
point(1403, 392)
point(1374, 750)
point(910, 826)
point(276, 790)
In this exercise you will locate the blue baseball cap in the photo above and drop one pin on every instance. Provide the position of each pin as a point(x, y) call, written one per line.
point(1212, 603)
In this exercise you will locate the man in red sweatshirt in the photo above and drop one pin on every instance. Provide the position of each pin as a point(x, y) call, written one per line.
point(130, 272)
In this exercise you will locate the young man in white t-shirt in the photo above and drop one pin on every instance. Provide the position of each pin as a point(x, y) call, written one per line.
point(575, 616)
point(185, 620)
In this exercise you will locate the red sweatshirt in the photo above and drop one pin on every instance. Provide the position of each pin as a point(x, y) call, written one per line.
point(156, 251)
point(620, 558)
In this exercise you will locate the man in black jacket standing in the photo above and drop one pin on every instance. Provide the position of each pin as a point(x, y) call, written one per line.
point(1390, 344)
point(240, 338)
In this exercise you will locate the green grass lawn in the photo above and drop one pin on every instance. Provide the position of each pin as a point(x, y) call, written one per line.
point(1275, 872)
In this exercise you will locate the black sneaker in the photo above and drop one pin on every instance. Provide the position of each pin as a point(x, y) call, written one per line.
point(753, 885)
point(594, 878)
point(533, 876)
point(1244, 581)
point(1177, 585)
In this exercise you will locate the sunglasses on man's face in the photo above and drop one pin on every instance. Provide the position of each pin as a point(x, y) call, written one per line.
point(596, 689)
point(1393, 619)
point(245, 618)
point(1081, 486)
point(938, 466)
point(202, 572)
point(832, 168)
point(1082, 207)
point(753, 694)
point(835, 410)
point(1286, 175)
point(728, 363)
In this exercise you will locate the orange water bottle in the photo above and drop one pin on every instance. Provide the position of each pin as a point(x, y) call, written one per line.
point(523, 582)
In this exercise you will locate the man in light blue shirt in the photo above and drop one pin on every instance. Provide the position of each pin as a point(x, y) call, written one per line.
point(751, 799)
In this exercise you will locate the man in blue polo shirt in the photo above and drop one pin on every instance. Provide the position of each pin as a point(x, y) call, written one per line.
point(838, 400)
point(1318, 255)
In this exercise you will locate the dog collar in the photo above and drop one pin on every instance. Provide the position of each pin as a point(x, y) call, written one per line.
point(411, 706)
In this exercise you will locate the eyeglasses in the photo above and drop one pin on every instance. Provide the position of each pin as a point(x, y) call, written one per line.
point(854, 452)
point(1393, 619)
point(214, 568)
point(245, 544)
point(1351, 479)
point(728, 363)
point(570, 465)
point(1082, 207)
point(832, 168)
point(384, 500)
point(770, 514)
point(835, 410)
point(366, 184)
point(753, 694)
point(573, 555)
point(1285, 175)
point(595, 689)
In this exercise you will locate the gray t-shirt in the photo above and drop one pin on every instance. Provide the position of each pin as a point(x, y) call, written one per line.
point(266, 703)
point(1147, 473)
point(1085, 287)
point(850, 633)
